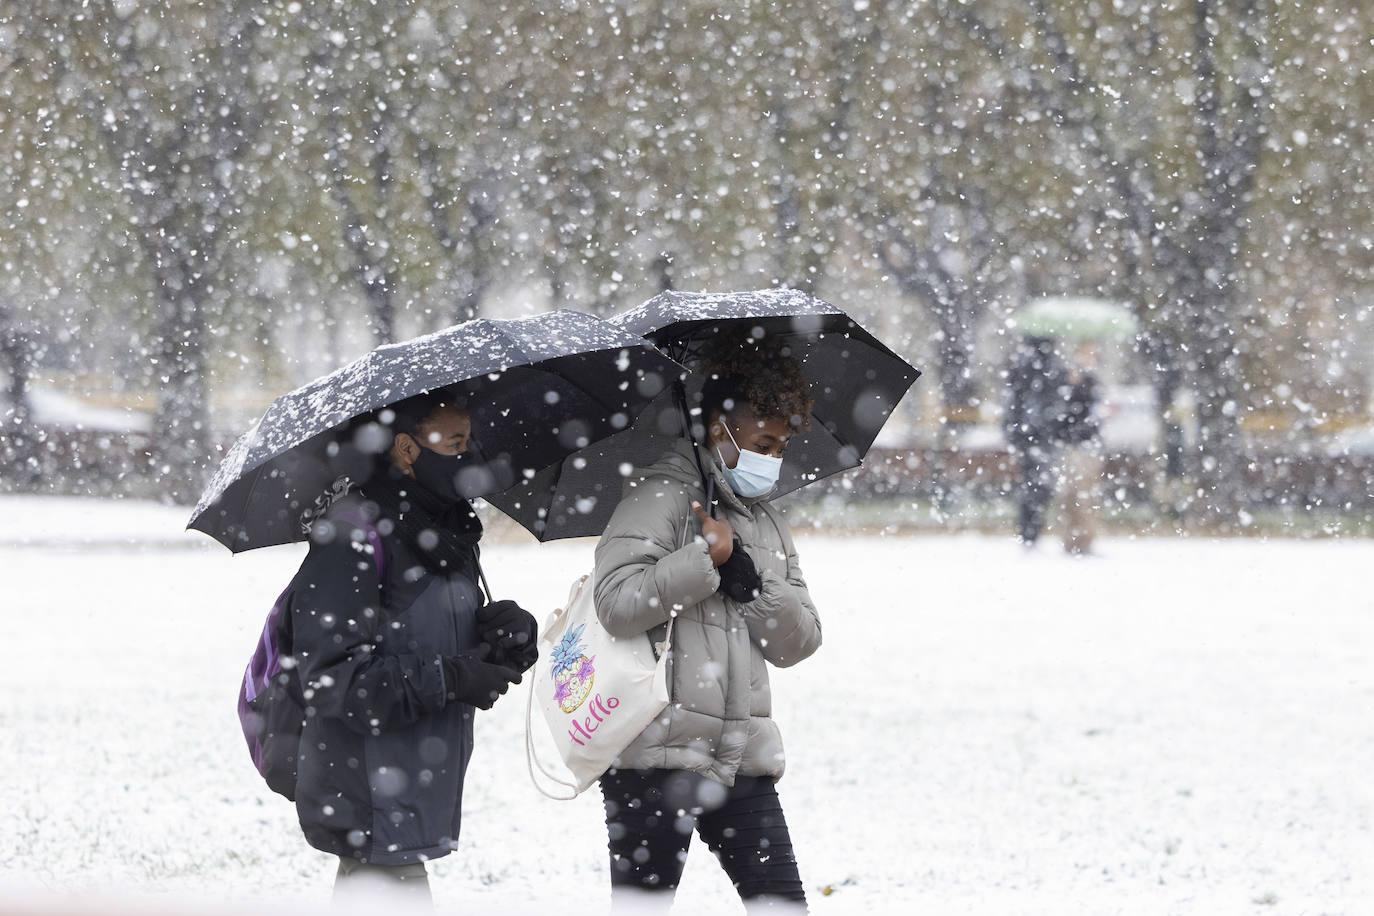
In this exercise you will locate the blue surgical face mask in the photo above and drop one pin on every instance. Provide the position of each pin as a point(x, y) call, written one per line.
point(753, 474)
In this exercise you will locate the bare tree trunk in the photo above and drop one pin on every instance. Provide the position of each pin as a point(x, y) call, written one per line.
point(786, 202)
point(18, 440)
point(14, 348)
point(1230, 156)
point(472, 275)
point(819, 243)
point(558, 286)
point(366, 242)
point(956, 308)
point(477, 278)
point(663, 267)
point(182, 417)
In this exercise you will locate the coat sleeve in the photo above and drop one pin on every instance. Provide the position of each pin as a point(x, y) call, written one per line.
point(642, 576)
point(335, 635)
point(782, 620)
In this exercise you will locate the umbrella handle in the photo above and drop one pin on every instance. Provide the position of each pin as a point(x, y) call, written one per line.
point(680, 395)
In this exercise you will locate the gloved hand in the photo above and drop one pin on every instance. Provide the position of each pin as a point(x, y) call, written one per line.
point(470, 678)
point(521, 658)
point(739, 578)
point(511, 631)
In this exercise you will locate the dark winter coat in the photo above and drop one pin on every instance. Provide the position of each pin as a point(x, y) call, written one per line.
point(1078, 421)
point(383, 752)
point(1039, 383)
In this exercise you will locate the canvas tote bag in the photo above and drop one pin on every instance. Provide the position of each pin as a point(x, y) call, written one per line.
point(596, 692)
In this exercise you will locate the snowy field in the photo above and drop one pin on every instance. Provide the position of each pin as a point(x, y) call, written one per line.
point(1174, 726)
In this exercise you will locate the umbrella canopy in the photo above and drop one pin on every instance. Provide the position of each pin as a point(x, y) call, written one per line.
point(856, 382)
point(1075, 318)
point(536, 389)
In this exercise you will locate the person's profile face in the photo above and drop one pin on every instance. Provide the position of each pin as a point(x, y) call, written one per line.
point(764, 435)
point(446, 431)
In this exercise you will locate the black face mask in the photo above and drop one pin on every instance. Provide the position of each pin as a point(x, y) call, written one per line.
point(439, 473)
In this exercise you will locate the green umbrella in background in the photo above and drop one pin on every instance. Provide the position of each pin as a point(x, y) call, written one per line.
point(1075, 318)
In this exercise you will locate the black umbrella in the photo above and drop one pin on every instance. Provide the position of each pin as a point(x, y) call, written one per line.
point(856, 382)
point(536, 389)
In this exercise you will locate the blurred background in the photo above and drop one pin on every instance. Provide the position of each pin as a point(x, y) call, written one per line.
point(205, 204)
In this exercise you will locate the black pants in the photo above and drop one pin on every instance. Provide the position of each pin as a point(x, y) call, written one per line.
point(650, 817)
point(1037, 485)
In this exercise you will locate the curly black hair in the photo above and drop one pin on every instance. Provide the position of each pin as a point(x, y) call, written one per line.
point(759, 374)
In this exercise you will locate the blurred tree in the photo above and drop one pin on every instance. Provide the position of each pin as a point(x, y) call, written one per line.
point(14, 350)
point(18, 235)
point(812, 83)
point(17, 436)
point(691, 146)
point(936, 165)
point(462, 126)
point(464, 212)
point(173, 102)
point(361, 112)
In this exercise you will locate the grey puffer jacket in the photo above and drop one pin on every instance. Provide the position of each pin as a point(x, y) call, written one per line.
point(651, 562)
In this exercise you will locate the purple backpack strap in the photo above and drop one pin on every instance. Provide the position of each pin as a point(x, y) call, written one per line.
point(266, 662)
point(359, 519)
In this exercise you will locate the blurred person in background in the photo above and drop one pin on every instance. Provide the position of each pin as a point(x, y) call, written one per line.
point(1038, 382)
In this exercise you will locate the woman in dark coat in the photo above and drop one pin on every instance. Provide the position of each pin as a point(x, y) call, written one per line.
point(395, 648)
point(1038, 383)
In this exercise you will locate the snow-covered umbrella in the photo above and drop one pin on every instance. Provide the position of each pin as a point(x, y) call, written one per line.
point(536, 389)
point(1074, 318)
point(855, 379)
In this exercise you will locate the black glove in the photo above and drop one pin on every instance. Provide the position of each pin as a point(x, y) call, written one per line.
point(739, 578)
point(470, 678)
point(521, 658)
point(511, 630)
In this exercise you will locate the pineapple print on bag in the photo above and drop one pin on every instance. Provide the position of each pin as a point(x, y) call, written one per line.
point(572, 671)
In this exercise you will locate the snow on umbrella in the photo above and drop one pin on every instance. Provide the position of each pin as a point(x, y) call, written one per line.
point(536, 389)
point(1074, 318)
point(856, 382)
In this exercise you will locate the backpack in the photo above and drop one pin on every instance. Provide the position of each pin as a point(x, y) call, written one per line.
point(272, 709)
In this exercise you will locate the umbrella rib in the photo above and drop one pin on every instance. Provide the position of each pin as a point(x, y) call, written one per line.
point(553, 490)
point(596, 399)
point(253, 488)
point(514, 345)
point(835, 434)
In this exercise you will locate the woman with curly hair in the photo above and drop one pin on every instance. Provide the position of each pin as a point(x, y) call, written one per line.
point(711, 760)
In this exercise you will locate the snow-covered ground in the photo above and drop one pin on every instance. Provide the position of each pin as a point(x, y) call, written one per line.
point(1174, 726)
